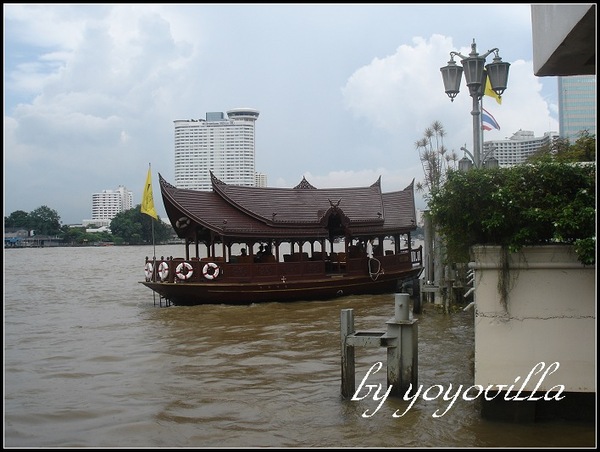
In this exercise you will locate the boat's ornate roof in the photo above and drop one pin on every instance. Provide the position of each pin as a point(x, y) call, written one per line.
point(304, 211)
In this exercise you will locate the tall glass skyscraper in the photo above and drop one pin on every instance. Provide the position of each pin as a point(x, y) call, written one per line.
point(223, 145)
point(576, 106)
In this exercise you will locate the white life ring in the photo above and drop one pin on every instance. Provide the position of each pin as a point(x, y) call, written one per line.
point(183, 222)
point(189, 272)
point(163, 270)
point(148, 270)
point(210, 270)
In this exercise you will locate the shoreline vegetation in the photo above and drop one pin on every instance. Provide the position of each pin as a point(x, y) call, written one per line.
point(56, 243)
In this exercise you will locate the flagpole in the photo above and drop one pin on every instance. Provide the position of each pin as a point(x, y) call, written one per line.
point(153, 244)
point(147, 207)
point(152, 221)
point(153, 255)
point(481, 156)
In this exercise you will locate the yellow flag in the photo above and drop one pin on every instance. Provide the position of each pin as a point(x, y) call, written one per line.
point(147, 199)
point(490, 92)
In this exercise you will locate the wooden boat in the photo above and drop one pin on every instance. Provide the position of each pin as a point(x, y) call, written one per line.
point(320, 243)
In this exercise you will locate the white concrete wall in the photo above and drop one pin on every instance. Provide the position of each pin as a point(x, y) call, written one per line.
point(550, 316)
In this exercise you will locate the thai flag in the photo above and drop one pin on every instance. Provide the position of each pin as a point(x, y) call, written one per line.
point(488, 122)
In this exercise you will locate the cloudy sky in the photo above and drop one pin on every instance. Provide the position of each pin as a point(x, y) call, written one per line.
point(344, 91)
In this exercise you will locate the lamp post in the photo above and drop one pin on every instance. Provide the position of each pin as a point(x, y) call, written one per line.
point(488, 160)
point(476, 78)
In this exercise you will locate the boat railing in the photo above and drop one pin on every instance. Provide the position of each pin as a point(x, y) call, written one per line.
point(416, 256)
point(180, 270)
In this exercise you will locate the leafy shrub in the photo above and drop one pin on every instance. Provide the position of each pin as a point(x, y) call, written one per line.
point(524, 205)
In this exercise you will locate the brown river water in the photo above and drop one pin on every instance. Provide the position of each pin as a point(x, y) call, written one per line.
point(90, 361)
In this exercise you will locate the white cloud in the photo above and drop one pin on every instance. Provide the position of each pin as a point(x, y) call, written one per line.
point(404, 91)
point(344, 92)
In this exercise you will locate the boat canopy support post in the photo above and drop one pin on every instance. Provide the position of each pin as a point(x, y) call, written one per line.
point(400, 339)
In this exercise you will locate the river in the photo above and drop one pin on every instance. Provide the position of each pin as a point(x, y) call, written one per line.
point(92, 360)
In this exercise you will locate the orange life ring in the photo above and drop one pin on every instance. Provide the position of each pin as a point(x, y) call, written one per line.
point(188, 274)
point(211, 270)
point(148, 270)
point(163, 270)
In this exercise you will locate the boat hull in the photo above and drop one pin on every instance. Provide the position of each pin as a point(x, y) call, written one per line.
point(285, 290)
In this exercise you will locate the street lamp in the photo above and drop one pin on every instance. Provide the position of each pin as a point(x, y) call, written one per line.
point(476, 78)
point(487, 161)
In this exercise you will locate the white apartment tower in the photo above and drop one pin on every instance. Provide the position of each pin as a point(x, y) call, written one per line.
point(107, 203)
point(261, 180)
point(522, 145)
point(223, 145)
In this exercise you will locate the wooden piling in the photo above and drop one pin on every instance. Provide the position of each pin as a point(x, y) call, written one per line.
point(401, 343)
point(347, 329)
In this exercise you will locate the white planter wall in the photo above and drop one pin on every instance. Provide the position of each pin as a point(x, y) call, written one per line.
point(550, 316)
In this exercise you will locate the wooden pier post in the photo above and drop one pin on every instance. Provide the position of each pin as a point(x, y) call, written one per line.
point(400, 340)
point(347, 329)
point(402, 348)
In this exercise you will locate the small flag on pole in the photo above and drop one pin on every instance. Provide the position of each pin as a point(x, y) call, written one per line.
point(147, 199)
point(488, 122)
point(490, 92)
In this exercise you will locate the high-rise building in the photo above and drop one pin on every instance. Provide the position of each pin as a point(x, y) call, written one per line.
point(576, 106)
point(223, 145)
point(522, 145)
point(261, 180)
point(108, 203)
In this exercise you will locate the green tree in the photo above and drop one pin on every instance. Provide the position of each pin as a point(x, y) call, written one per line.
point(17, 219)
point(561, 150)
point(435, 158)
point(79, 236)
point(436, 161)
point(524, 205)
point(45, 221)
point(70, 235)
point(134, 227)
